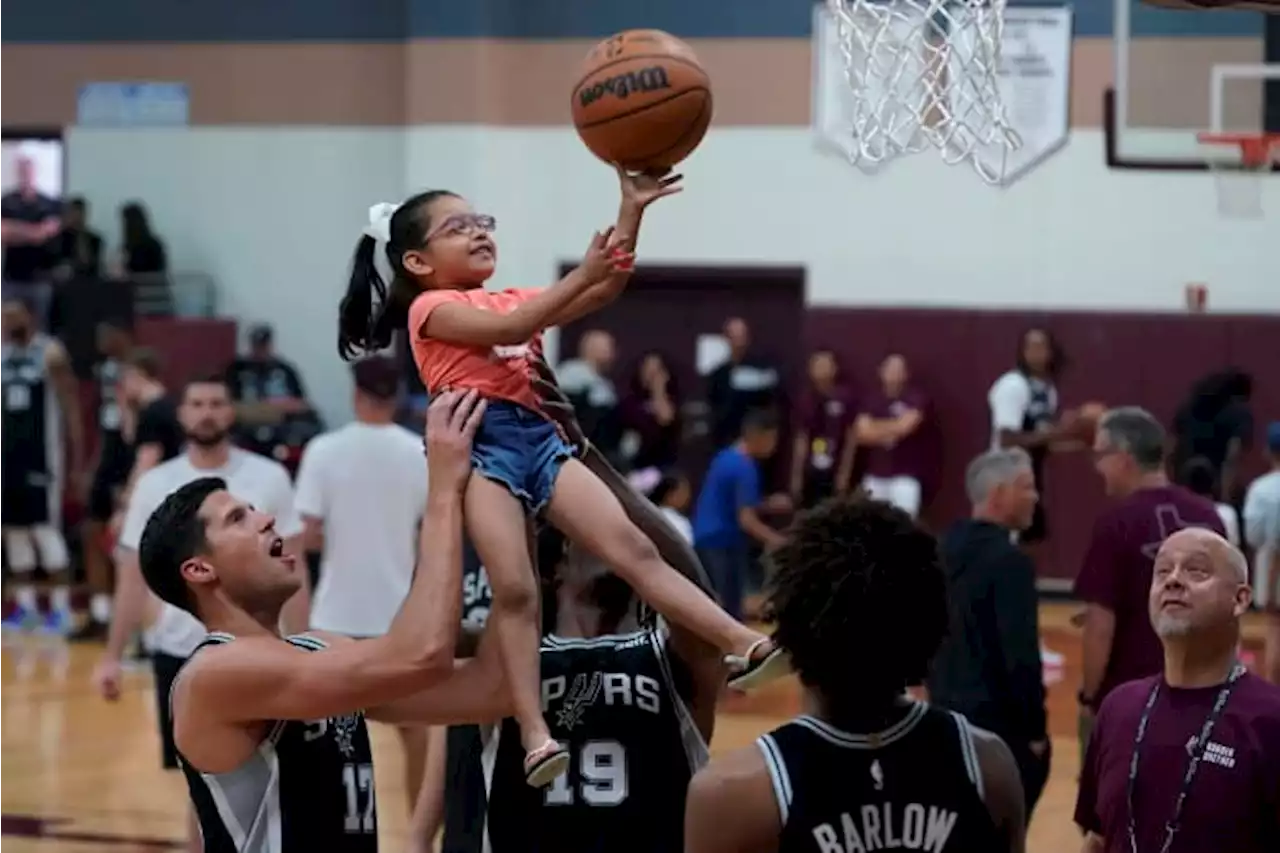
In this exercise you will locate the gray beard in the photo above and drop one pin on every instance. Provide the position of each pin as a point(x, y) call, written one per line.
point(1171, 626)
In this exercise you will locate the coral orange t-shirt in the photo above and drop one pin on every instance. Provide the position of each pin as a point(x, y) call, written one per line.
point(499, 373)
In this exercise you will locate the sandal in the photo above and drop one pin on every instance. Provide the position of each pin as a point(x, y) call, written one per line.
point(749, 671)
point(545, 763)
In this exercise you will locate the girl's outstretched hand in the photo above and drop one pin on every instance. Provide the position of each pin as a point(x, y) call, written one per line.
point(643, 188)
point(606, 255)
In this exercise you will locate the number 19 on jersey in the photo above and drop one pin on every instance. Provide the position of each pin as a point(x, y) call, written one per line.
point(597, 777)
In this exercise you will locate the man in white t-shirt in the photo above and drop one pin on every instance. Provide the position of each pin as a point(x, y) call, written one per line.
point(362, 492)
point(206, 414)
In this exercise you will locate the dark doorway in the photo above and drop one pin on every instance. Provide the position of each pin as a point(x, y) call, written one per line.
point(668, 308)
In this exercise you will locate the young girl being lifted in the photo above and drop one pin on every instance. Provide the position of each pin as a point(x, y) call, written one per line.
point(441, 253)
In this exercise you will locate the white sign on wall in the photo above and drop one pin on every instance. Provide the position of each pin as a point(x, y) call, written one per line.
point(1035, 85)
point(1034, 82)
point(126, 104)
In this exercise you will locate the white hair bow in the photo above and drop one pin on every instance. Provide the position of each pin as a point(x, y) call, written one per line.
point(379, 227)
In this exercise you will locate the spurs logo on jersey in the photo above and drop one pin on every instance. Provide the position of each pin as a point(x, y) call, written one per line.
point(584, 691)
point(343, 729)
point(914, 786)
point(571, 700)
point(632, 749)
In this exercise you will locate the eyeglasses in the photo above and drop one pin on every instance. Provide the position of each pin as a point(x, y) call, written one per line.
point(463, 223)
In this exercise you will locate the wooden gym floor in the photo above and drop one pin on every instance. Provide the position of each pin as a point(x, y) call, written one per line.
point(82, 775)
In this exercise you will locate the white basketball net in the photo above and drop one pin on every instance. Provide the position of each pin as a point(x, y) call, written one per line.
point(924, 73)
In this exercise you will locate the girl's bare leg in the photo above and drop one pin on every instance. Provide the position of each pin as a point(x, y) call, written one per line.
point(496, 523)
point(584, 508)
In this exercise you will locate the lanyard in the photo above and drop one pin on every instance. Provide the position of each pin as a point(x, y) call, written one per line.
point(1193, 764)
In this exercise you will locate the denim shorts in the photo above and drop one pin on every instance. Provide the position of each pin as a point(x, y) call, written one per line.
point(520, 449)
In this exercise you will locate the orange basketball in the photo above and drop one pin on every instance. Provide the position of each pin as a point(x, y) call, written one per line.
point(642, 100)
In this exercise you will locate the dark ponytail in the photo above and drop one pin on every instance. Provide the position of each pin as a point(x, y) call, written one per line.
point(370, 314)
point(355, 313)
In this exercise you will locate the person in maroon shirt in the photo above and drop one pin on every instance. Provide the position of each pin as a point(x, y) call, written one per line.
point(1186, 760)
point(824, 448)
point(888, 425)
point(650, 414)
point(1119, 643)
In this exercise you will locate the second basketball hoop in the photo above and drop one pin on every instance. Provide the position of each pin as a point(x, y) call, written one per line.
point(921, 74)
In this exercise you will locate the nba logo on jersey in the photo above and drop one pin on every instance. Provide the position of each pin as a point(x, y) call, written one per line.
point(877, 775)
point(581, 696)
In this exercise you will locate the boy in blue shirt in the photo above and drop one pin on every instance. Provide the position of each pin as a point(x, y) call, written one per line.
point(725, 517)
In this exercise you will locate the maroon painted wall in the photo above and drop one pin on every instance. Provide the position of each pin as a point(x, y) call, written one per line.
point(1119, 359)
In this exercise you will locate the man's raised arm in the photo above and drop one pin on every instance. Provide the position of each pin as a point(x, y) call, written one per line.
point(256, 679)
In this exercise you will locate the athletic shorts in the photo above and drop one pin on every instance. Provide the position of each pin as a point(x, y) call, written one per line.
point(465, 801)
point(165, 667)
point(109, 478)
point(520, 449)
point(29, 498)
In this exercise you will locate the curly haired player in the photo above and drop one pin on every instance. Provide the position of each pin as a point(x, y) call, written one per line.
point(860, 603)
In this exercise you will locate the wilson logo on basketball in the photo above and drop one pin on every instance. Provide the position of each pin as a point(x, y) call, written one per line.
point(623, 85)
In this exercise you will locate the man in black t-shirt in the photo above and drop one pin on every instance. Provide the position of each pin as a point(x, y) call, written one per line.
point(156, 434)
point(30, 222)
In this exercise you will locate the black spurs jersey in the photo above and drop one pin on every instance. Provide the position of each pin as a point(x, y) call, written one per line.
point(914, 786)
point(633, 747)
point(308, 788)
point(30, 433)
point(29, 411)
point(110, 416)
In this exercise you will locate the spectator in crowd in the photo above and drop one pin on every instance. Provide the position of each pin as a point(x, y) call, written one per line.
point(1262, 528)
point(1119, 644)
point(889, 426)
point(823, 448)
point(726, 518)
point(113, 460)
point(141, 252)
point(672, 495)
point(1216, 423)
point(1186, 758)
point(748, 380)
point(262, 376)
point(989, 667)
point(1024, 412)
point(153, 430)
point(77, 250)
point(267, 390)
point(650, 415)
point(1198, 477)
point(586, 381)
point(30, 223)
point(361, 491)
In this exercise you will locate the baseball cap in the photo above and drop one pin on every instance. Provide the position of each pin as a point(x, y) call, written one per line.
point(1273, 436)
point(260, 335)
point(378, 376)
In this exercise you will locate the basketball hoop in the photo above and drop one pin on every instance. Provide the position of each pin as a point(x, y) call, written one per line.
point(1239, 183)
point(923, 73)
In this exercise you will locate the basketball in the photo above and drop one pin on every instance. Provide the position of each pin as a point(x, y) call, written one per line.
point(642, 100)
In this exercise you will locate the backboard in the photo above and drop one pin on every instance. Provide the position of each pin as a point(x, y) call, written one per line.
point(1181, 72)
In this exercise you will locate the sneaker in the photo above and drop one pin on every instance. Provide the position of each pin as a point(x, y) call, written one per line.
point(21, 619)
point(56, 623)
point(90, 631)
